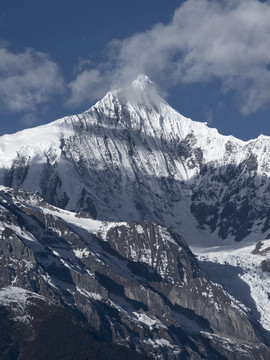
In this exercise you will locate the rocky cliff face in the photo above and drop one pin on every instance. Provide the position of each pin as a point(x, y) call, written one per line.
point(32, 327)
point(132, 157)
point(135, 284)
point(91, 209)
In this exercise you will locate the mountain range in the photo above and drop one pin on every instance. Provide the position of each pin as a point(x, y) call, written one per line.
point(98, 211)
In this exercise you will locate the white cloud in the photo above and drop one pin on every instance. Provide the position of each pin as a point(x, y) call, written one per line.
point(205, 40)
point(208, 113)
point(27, 80)
point(88, 85)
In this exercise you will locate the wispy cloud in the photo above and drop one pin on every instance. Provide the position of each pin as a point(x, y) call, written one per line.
point(27, 79)
point(88, 85)
point(208, 113)
point(205, 40)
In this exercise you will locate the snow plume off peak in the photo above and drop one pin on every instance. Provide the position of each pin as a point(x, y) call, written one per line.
point(141, 91)
point(205, 40)
point(142, 82)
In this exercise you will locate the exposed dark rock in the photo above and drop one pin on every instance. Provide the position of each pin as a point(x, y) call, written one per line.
point(135, 284)
point(261, 249)
point(52, 332)
point(265, 264)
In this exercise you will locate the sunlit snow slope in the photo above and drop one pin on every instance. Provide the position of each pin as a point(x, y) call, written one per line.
point(132, 157)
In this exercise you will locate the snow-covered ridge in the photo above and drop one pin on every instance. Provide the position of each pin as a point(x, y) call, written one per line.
point(131, 155)
point(48, 135)
point(147, 118)
point(165, 122)
point(34, 141)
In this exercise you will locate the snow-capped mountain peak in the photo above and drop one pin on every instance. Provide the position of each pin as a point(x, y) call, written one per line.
point(140, 92)
point(131, 157)
point(142, 82)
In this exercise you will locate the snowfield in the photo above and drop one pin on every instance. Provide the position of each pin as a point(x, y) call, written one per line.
point(240, 272)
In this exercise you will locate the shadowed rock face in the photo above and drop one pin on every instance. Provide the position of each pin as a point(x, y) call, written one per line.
point(43, 330)
point(135, 284)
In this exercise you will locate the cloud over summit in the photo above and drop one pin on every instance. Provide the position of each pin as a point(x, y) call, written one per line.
point(222, 41)
point(206, 40)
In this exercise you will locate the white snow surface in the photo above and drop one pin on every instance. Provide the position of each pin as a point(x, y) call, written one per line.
point(240, 273)
point(40, 144)
point(149, 116)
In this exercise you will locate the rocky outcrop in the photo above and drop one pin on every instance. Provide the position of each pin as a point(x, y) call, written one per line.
point(135, 284)
point(34, 328)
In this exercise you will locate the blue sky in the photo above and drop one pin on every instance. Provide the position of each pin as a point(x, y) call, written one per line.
point(210, 59)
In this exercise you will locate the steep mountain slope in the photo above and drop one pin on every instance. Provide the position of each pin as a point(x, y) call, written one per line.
point(132, 157)
point(244, 273)
point(32, 327)
point(136, 285)
point(91, 207)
